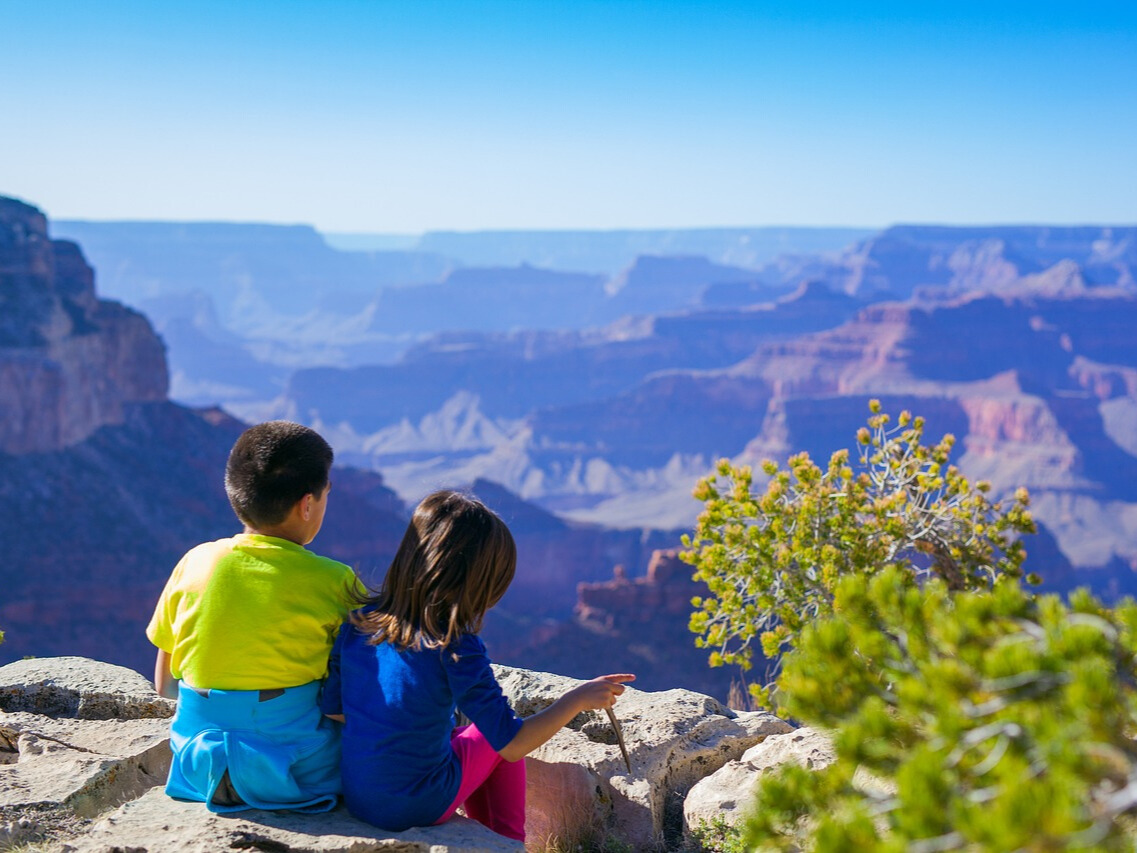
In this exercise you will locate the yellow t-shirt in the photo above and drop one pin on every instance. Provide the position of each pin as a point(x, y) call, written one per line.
point(251, 612)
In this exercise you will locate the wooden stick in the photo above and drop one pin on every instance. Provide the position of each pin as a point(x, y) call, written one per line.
point(619, 737)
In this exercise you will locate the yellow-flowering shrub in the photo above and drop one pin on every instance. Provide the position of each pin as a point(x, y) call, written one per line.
point(772, 559)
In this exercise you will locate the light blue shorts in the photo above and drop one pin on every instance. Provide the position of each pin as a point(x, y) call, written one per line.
point(279, 750)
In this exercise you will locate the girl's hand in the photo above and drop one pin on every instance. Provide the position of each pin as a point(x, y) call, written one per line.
point(601, 692)
point(592, 695)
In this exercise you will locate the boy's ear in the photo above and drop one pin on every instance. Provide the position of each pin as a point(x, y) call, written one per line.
point(306, 506)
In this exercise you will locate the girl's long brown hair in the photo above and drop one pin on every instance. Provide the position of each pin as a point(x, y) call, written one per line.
point(455, 562)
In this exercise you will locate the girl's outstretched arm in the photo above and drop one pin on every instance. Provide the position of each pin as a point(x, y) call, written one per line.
point(592, 695)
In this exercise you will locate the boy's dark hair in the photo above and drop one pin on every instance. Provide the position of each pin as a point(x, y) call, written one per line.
point(455, 562)
point(271, 467)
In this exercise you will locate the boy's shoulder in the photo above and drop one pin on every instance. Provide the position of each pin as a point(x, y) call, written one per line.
point(328, 564)
point(209, 550)
point(270, 549)
point(289, 552)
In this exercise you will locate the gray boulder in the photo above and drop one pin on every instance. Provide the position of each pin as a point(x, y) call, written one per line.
point(80, 688)
point(77, 737)
point(579, 789)
point(728, 792)
point(84, 766)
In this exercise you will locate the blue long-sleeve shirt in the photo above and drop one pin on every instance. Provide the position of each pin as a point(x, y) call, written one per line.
point(398, 767)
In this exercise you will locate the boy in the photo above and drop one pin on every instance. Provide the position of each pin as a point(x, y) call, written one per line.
point(245, 625)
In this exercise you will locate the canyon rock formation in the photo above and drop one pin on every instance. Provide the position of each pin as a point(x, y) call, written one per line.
point(69, 362)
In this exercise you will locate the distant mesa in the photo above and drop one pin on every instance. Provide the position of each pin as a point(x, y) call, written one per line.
point(492, 299)
point(662, 284)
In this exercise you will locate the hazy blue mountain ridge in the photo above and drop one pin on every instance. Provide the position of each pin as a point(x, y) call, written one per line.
point(611, 251)
point(241, 267)
point(518, 373)
point(493, 299)
point(903, 258)
point(241, 306)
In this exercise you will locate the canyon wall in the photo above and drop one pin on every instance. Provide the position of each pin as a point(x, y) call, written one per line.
point(69, 362)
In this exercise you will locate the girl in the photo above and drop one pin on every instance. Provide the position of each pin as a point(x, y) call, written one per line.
point(411, 655)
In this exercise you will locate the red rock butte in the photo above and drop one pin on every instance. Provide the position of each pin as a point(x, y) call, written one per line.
point(68, 360)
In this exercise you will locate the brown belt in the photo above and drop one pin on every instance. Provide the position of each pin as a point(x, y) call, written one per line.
point(265, 695)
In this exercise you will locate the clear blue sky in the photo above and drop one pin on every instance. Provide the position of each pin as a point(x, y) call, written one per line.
point(396, 116)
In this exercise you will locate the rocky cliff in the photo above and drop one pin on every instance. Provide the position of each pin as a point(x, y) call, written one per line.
point(84, 754)
point(69, 362)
